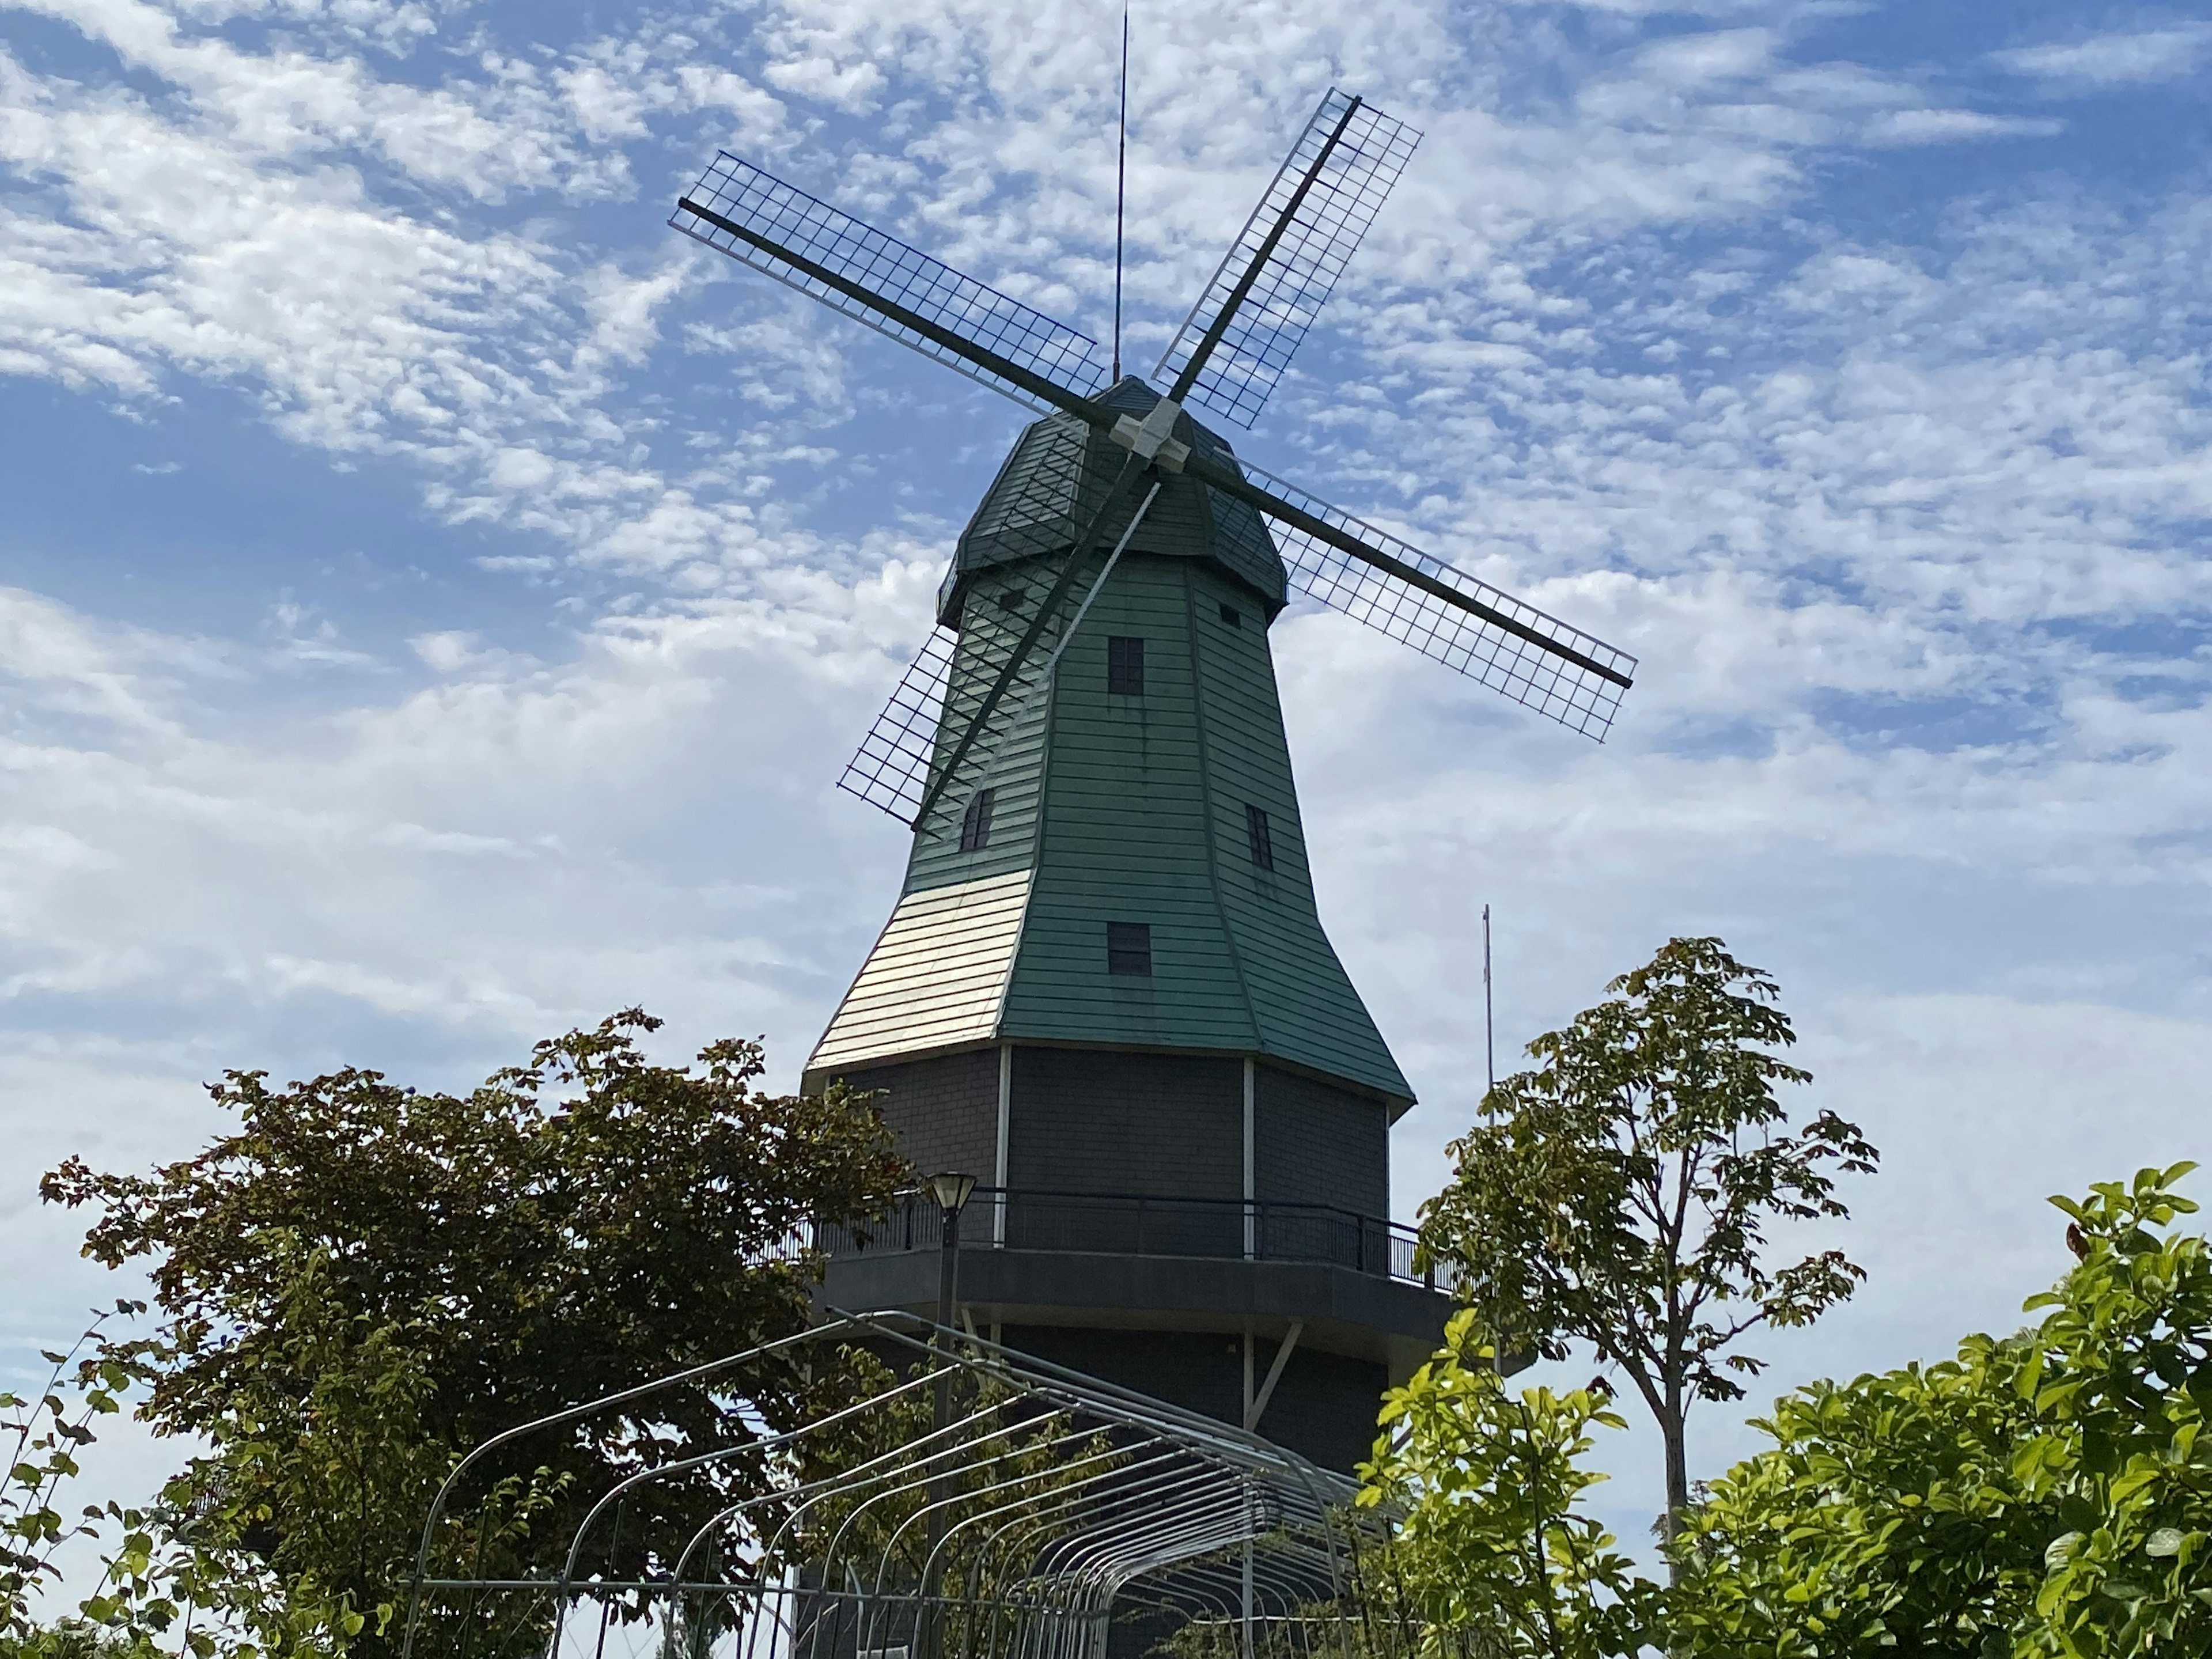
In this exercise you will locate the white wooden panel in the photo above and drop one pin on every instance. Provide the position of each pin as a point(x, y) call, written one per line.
point(937, 976)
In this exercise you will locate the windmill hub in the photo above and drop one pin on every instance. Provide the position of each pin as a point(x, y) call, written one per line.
point(1106, 980)
point(1152, 439)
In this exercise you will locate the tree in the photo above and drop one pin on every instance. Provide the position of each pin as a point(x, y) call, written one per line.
point(1886, 1517)
point(364, 1281)
point(42, 1439)
point(1489, 1541)
point(2049, 1493)
point(1619, 1193)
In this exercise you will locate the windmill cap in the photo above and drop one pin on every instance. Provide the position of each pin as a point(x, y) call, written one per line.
point(1059, 470)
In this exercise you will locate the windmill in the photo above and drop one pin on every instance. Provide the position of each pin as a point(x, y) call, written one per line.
point(1105, 987)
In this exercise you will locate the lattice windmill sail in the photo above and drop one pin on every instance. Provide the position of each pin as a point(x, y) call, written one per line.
point(1229, 355)
point(1107, 900)
point(1280, 270)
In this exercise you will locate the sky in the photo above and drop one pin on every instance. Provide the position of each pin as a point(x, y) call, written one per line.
point(437, 599)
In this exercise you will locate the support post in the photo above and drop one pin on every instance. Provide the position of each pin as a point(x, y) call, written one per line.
point(1251, 1171)
point(1005, 1136)
point(948, 1290)
point(951, 1191)
point(1258, 1404)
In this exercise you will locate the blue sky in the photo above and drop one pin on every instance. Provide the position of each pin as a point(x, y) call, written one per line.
point(435, 598)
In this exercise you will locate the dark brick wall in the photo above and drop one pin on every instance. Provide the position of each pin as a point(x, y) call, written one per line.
point(1312, 1143)
point(1199, 1372)
point(944, 1111)
point(1092, 1120)
point(1323, 1407)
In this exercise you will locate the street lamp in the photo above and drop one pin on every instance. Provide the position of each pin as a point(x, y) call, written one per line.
point(950, 1190)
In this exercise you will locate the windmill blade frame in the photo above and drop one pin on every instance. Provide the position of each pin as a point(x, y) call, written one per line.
point(891, 769)
point(1469, 626)
point(1254, 314)
point(866, 273)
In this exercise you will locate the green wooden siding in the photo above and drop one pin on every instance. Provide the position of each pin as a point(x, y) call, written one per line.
point(1010, 758)
point(1144, 821)
point(1121, 809)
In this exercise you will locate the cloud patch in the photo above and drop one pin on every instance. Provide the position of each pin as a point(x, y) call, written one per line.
point(1902, 127)
point(2140, 58)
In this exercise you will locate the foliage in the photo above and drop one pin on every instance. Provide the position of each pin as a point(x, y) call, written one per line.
point(1888, 1515)
point(364, 1281)
point(1619, 1193)
point(2046, 1494)
point(43, 1439)
point(1487, 1480)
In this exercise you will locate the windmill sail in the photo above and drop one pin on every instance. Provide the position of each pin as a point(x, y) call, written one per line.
point(1232, 350)
point(1241, 333)
point(1447, 616)
point(890, 769)
point(874, 278)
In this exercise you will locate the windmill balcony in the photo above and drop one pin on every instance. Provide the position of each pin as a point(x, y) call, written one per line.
point(1120, 1223)
point(1146, 1290)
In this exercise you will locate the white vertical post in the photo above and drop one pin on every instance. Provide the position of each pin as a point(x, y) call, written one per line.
point(1005, 1123)
point(1251, 1186)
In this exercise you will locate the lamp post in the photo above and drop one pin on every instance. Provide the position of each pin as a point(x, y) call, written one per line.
point(950, 1190)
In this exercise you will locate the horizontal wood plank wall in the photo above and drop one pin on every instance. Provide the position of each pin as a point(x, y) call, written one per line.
point(1144, 822)
point(1010, 757)
point(1111, 808)
point(1306, 1007)
point(934, 978)
point(1124, 840)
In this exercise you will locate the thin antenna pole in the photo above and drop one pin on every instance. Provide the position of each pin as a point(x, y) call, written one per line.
point(1120, 188)
point(1489, 1025)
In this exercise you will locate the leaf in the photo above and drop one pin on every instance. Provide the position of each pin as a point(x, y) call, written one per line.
point(2165, 1541)
point(2059, 1552)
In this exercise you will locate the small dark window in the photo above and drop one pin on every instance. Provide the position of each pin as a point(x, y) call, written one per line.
point(1129, 948)
point(1263, 843)
point(1010, 598)
point(975, 823)
point(1125, 666)
point(1230, 615)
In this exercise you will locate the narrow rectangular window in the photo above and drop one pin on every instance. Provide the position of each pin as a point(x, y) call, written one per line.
point(1129, 947)
point(1125, 666)
point(1263, 843)
point(975, 823)
point(1230, 615)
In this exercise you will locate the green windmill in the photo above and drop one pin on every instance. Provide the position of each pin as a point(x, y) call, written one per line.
point(1105, 990)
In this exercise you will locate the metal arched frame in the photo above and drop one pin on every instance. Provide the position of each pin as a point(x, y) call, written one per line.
point(1041, 1512)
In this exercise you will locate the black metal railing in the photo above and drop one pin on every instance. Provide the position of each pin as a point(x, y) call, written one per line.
point(1117, 1224)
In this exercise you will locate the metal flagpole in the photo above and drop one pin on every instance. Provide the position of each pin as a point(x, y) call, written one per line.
point(1121, 190)
point(1489, 1028)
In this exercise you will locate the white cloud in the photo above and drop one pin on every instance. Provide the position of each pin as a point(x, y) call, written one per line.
point(1953, 127)
point(2116, 59)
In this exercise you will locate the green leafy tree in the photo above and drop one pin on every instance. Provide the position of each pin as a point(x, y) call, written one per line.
point(1889, 1517)
point(2050, 1493)
point(1490, 1541)
point(1619, 1193)
point(2121, 1377)
point(44, 1439)
point(364, 1281)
